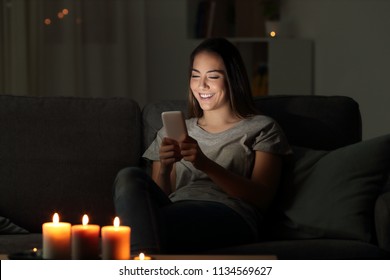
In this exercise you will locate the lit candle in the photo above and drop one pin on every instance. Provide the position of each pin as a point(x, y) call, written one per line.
point(85, 241)
point(142, 257)
point(56, 239)
point(116, 242)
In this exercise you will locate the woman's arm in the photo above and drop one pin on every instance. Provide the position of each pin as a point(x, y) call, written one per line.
point(166, 182)
point(257, 190)
point(163, 171)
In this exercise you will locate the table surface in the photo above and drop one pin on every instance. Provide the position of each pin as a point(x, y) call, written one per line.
point(214, 257)
point(200, 257)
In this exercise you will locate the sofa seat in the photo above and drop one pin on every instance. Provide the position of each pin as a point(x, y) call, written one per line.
point(16, 243)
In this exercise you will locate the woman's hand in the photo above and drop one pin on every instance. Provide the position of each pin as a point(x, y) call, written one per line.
point(169, 154)
point(191, 152)
point(163, 172)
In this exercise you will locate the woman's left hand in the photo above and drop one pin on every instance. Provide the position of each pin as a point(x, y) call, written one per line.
point(191, 152)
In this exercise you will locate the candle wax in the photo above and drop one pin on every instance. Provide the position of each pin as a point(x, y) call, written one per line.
point(116, 242)
point(56, 240)
point(85, 242)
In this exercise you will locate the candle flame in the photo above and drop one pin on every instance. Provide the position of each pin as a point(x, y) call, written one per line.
point(142, 256)
point(85, 220)
point(56, 218)
point(116, 222)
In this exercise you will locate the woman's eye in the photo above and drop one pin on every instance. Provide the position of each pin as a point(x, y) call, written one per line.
point(214, 77)
point(194, 76)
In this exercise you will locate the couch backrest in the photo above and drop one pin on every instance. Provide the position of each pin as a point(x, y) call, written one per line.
point(61, 154)
point(318, 122)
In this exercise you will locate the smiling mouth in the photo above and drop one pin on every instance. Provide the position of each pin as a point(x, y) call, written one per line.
point(205, 95)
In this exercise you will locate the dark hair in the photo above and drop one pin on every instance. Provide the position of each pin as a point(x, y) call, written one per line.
point(240, 95)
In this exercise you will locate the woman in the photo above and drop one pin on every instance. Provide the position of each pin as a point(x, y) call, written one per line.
point(208, 191)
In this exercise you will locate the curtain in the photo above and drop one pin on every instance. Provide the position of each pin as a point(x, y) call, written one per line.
point(72, 48)
point(13, 47)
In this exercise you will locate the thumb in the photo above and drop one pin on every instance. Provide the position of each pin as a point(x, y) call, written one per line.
point(189, 139)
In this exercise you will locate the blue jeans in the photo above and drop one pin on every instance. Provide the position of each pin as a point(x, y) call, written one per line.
point(159, 225)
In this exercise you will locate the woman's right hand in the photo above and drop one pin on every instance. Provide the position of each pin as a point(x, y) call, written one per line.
point(162, 170)
point(169, 154)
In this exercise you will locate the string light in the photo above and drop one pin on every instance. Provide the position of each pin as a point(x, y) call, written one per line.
point(60, 15)
point(47, 21)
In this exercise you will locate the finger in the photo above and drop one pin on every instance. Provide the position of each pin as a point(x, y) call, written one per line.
point(169, 154)
point(189, 152)
point(167, 141)
point(189, 139)
point(189, 158)
point(167, 148)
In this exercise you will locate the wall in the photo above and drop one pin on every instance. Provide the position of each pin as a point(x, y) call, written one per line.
point(352, 57)
point(168, 48)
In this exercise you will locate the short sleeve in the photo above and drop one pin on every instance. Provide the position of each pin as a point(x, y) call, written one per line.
point(152, 152)
point(272, 139)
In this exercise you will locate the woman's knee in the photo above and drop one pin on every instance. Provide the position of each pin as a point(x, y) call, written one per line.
point(129, 178)
point(130, 173)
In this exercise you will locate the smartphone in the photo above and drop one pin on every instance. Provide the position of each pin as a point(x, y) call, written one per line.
point(175, 125)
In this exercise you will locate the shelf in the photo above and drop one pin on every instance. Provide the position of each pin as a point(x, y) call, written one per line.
point(284, 65)
point(227, 18)
point(246, 39)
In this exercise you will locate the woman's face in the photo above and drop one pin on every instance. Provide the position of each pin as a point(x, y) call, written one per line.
point(208, 81)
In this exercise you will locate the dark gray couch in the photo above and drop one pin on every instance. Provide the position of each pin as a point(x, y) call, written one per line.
point(61, 154)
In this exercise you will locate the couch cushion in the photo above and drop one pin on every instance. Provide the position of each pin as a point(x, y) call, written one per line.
point(313, 121)
point(17, 243)
point(7, 227)
point(382, 220)
point(333, 194)
point(61, 154)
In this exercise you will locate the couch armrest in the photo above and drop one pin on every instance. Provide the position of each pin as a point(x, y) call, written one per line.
point(382, 220)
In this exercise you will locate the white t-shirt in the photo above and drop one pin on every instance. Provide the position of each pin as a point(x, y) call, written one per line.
point(233, 149)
